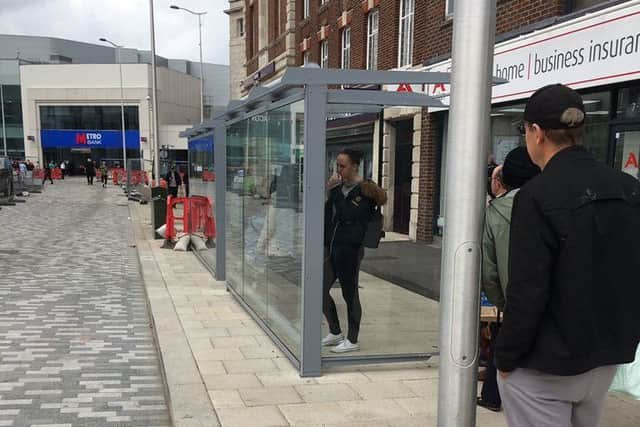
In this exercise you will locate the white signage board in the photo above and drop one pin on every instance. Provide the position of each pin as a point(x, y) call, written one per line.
point(593, 50)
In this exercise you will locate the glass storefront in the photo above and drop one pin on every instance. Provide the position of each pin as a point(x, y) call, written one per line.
point(88, 117)
point(75, 133)
point(12, 111)
point(264, 218)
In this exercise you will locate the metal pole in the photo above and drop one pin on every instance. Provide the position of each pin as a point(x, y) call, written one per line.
point(201, 72)
point(220, 168)
point(4, 128)
point(315, 127)
point(124, 138)
point(468, 142)
point(154, 97)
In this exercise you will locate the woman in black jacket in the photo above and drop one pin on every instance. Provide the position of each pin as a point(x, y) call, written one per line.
point(349, 207)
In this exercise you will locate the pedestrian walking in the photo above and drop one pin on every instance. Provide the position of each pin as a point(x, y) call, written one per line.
point(47, 172)
point(571, 304)
point(63, 168)
point(104, 174)
point(349, 207)
point(506, 181)
point(174, 181)
point(90, 170)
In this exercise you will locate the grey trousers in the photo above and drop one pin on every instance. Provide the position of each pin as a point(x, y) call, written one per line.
point(533, 398)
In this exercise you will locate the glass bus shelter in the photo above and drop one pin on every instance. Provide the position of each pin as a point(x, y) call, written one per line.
point(269, 155)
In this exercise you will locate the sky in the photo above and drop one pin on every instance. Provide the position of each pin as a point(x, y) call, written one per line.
point(125, 22)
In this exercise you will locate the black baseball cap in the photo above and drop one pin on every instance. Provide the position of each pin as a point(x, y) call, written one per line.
point(555, 107)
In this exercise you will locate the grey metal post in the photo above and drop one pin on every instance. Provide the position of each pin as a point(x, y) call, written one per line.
point(315, 113)
point(468, 142)
point(4, 128)
point(220, 167)
point(124, 138)
point(154, 97)
point(201, 71)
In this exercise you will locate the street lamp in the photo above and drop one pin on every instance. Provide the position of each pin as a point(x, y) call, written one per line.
point(199, 15)
point(124, 138)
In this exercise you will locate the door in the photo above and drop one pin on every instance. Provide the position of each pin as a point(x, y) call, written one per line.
point(627, 150)
point(402, 175)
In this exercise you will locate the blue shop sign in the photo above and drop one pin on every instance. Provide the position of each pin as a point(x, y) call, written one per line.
point(201, 144)
point(111, 139)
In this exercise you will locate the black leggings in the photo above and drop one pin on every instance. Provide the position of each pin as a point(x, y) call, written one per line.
point(344, 264)
point(104, 178)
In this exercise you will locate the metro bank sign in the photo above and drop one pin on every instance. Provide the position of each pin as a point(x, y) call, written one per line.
point(107, 139)
point(88, 138)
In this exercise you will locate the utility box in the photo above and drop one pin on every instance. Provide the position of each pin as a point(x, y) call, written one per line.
point(158, 209)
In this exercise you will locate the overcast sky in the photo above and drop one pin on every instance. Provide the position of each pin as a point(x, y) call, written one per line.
point(125, 22)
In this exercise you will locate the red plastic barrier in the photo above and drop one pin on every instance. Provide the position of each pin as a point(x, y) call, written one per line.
point(118, 175)
point(56, 173)
point(201, 218)
point(38, 174)
point(171, 233)
point(208, 176)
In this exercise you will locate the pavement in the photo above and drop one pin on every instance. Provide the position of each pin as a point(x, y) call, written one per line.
point(80, 309)
point(76, 346)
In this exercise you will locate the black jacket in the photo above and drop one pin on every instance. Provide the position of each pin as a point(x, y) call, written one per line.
point(573, 294)
point(177, 177)
point(346, 218)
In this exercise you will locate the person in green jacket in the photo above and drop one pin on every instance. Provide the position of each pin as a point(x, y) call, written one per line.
point(505, 183)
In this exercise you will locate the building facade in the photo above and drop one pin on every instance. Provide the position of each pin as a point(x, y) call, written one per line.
point(237, 50)
point(591, 45)
point(73, 111)
point(17, 51)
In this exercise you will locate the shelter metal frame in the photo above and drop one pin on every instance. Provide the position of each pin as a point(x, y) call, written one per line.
point(318, 88)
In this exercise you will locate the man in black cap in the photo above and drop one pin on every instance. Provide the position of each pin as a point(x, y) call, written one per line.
point(571, 311)
point(506, 182)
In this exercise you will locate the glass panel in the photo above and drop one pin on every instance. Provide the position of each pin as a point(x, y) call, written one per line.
point(504, 132)
point(88, 117)
point(628, 152)
point(282, 235)
point(202, 183)
point(385, 299)
point(596, 138)
point(629, 103)
point(254, 193)
point(265, 220)
point(236, 154)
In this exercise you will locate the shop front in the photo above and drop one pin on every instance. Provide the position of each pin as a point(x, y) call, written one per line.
point(75, 133)
point(597, 54)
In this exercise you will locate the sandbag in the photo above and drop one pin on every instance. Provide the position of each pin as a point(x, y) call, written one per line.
point(183, 243)
point(162, 231)
point(627, 379)
point(198, 243)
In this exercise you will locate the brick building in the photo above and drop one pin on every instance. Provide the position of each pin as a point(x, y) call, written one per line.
point(537, 42)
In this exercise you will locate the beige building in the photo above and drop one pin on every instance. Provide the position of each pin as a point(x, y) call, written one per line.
point(237, 49)
point(62, 100)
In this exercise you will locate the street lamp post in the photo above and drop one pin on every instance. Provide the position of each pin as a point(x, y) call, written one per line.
point(4, 128)
point(199, 15)
point(154, 90)
point(124, 138)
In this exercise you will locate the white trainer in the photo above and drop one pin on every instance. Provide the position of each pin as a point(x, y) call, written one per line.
point(332, 339)
point(346, 346)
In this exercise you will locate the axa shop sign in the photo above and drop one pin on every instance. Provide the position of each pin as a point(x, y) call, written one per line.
point(593, 50)
point(108, 139)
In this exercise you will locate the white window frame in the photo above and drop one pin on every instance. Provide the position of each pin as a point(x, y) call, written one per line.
point(405, 39)
point(373, 26)
point(306, 8)
point(448, 9)
point(324, 53)
point(346, 47)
